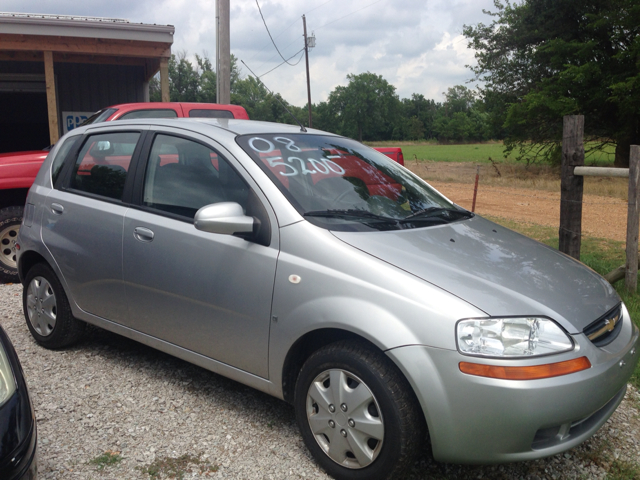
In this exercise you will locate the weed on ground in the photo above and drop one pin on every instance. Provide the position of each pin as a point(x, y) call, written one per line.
point(107, 459)
point(169, 467)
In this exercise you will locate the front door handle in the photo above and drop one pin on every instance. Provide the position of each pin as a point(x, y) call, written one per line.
point(57, 208)
point(143, 234)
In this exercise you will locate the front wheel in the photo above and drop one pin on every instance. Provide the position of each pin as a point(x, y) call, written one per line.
point(357, 413)
point(47, 310)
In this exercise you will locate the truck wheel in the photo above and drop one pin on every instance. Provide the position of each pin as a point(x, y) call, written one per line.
point(357, 414)
point(10, 220)
point(47, 310)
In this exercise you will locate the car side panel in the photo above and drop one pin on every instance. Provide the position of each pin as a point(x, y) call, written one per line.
point(86, 242)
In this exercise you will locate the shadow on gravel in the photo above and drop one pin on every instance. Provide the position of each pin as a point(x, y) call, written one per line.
point(587, 461)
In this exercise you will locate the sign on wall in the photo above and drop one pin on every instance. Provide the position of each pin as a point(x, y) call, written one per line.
point(71, 120)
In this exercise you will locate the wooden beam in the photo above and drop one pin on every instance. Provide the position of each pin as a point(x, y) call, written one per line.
point(99, 59)
point(571, 185)
point(52, 105)
point(14, 56)
point(19, 56)
point(601, 172)
point(631, 270)
point(164, 79)
point(93, 46)
point(151, 68)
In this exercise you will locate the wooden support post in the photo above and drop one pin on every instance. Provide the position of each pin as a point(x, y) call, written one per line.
point(571, 186)
point(52, 103)
point(164, 79)
point(631, 265)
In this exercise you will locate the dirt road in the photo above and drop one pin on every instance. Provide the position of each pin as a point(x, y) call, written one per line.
point(602, 217)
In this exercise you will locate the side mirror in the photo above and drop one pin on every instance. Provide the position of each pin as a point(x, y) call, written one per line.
point(226, 218)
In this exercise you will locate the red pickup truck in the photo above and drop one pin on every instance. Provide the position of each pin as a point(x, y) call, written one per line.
point(18, 170)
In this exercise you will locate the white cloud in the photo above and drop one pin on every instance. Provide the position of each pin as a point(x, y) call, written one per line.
point(416, 45)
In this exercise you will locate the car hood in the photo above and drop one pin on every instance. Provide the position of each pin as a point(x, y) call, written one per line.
point(495, 269)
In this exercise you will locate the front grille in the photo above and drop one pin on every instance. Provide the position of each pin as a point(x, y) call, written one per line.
point(605, 330)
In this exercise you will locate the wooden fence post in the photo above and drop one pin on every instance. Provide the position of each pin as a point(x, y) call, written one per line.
point(570, 231)
point(631, 264)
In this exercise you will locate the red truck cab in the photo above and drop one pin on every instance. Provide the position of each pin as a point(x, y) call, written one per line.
point(129, 111)
point(394, 153)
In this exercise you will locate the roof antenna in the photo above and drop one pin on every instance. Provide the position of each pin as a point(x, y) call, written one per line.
point(302, 129)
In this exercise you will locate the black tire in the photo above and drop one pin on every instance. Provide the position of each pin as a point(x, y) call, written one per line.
point(10, 220)
point(47, 310)
point(387, 400)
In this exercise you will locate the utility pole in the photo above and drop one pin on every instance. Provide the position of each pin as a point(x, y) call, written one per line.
point(308, 43)
point(223, 53)
point(217, 51)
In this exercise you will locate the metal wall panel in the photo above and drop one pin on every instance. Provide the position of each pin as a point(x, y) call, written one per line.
point(90, 87)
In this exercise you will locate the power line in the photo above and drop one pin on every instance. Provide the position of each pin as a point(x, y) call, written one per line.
point(272, 41)
point(299, 51)
point(286, 29)
point(348, 14)
point(322, 5)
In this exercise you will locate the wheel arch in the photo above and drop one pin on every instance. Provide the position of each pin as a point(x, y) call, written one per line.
point(312, 341)
point(27, 260)
point(303, 348)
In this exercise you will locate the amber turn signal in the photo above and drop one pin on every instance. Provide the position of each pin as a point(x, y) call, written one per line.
point(534, 372)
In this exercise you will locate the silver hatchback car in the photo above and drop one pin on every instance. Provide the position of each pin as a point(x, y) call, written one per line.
point(317, 270)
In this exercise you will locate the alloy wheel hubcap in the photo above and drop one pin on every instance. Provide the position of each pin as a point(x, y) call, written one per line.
point(42, 308)
point(8, 245)
point(345, 418)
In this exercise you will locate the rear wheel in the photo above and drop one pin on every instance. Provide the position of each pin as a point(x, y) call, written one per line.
point(47, 310)
point(357, 413)
point(10, 220)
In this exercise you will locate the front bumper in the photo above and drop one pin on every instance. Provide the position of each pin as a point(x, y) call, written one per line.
point(475, 419)
point(22, 464)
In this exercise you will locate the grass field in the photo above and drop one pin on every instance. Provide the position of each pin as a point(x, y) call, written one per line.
point(601, 255)
point(475, 152)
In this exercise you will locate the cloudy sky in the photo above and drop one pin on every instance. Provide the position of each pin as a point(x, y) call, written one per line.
point(415, 45)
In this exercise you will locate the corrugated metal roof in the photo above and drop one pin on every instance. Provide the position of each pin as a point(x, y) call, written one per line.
point(85, 27)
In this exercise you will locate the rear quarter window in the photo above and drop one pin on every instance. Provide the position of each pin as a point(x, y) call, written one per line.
point(58, 162)
point(202, 113)
point(152, 113)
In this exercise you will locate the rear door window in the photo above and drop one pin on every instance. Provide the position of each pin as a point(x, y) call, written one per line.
point(103, 163)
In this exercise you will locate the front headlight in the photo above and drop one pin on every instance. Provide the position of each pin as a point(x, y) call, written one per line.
point(511, 337)
point(7, 382)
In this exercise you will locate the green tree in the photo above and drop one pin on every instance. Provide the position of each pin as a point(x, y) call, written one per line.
point(543, 59)
point(192, 83)
point(460, 118)
point(366, 108)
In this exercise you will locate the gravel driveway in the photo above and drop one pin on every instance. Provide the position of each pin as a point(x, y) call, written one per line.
point(159, 417)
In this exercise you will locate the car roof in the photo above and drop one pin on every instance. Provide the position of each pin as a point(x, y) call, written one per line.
point(234, 126)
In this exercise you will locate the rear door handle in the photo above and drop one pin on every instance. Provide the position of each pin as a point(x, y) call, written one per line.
point(143, 234)
point(57, 208)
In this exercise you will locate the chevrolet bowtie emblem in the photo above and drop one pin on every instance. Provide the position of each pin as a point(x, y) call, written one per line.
point(609, 325)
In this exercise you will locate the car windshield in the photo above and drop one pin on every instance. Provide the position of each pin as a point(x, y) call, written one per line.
point(340, 184)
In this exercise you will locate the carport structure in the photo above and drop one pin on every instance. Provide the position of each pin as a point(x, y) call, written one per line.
point(51, 64)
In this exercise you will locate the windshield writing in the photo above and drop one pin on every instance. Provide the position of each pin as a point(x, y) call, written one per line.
point(340, 184)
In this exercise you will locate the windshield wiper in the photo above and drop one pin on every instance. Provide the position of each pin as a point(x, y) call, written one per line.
point(351, 213)
point(438, 212)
